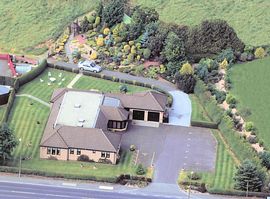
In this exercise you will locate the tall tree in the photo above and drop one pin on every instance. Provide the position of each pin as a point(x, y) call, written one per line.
point(248, 176)
point(7, 142)
point(113, 12)
point(185, 79)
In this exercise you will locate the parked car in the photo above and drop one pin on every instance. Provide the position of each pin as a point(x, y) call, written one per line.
point(89, 65)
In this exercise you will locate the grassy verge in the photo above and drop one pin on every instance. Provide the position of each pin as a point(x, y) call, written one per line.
point(198, 112)
point(28, 23)
point(44, 91)
point(222, 178)
point(250, 83)
point(2, 111)
point(236, 13)
point(88, 82)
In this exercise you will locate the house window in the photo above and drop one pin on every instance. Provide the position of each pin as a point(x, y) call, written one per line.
point(108, 155)
point(153, 116)
point(103, 154)
point(49, 150)
point(58, 152)
point(53, 151)
point(94, 151)
point(138, 115)
point(110, 124)
point(71, 151)
point(78, 151)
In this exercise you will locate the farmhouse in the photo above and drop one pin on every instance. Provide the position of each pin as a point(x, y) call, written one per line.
point(87, 123)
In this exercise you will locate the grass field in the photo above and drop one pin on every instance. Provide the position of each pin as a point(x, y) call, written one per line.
point(250, 83)
point(198, 112)
point(27, 23)
point(87, 83)
point(250, 19)
point(225, 168)
point(2, 110)
point(41, 90)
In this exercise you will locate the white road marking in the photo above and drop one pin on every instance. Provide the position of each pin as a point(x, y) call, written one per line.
point(186, 157)
point(69, 184)
point(190, 133)
point(105, 187)
point(187, 151)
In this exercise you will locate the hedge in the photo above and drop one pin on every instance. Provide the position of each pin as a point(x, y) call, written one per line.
point(115, 179)
point(237, 193)
point(225, 124)
point(209, 125)
point(9, 106)
point(211, 106)
point(33, 73)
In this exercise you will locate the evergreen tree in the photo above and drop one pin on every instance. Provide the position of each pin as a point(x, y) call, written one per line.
point(248, 176)
point(113, 12)
point(174, 49)
point(7, 142)
point(85, 25)
point(185, 79)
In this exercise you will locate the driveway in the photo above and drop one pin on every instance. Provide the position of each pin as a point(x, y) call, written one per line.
point(171, 148)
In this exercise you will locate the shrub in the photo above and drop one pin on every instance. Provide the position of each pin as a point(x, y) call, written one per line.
point(224, 64)
point(83, 158)
point(249, 126)
point(94, 55)
point(185, 82)
point(146, 53)
point(243, 57)
point(106, 31)
point(186, 69)
point(194, 176)
point(265, 157)
point(226, 54)
point(140, 170)
point(97, 22)
point(252, 139)
point(133, 50)
point(123, 88)
point(100, 41)
point(230, 99)
point(52, 158)
point(130, 58)
point(259, 53)
point(220, 96)
point(105, 161)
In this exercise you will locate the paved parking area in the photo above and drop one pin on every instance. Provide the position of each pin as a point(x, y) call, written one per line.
point(4, 69)
point(172, 148)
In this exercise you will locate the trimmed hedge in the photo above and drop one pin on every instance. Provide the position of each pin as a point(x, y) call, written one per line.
point(116, 179)
point(237, 193)
point(9, 106)
point(209, 125)
point(33, 73)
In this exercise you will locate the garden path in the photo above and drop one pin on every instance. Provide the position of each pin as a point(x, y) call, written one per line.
point(75, 79)
point(34, 98)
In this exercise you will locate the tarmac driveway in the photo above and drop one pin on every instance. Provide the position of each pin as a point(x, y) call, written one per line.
point(171, 148)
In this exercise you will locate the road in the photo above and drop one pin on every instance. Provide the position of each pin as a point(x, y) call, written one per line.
point(24, 190)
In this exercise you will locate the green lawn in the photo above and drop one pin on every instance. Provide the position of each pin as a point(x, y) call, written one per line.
point(2, 110)
point(41, 90)
point(27, 23)
point(250, 83)
point(225, 168)
point(87, 83)
point(198, 112)
point(250, 19)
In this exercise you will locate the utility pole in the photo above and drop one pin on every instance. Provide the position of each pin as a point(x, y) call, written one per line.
point(247, 188)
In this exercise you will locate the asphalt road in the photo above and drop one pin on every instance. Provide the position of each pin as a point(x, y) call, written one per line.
point(30, 191)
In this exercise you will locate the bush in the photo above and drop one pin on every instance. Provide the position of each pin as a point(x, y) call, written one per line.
point(106, 31)
point(185, 82)
point(94, 55)
point(126, 48)
point(227, 55)
point(252, 139)
point(194, 176)
point(132, 147)
point(146, 53)
point(243, 57)
point(249, 126)
point(220, 96)
point(105, 161)
point(123, 88)
point(265, 157)
point(140, 170)
point(259, 53)
point(230, 99)
point(83, 158)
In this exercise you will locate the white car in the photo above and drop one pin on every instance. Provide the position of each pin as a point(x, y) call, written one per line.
point(89, 66)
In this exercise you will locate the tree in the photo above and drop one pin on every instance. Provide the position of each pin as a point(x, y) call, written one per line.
point(211, 37)
point(85, 25)
point(140, 170)
point(265, 157)
point(113, 12)
point(7, 142)
point(248, 176)
point(174, 49)
point(185, 82)
point(226, 54)
point(201, 71)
